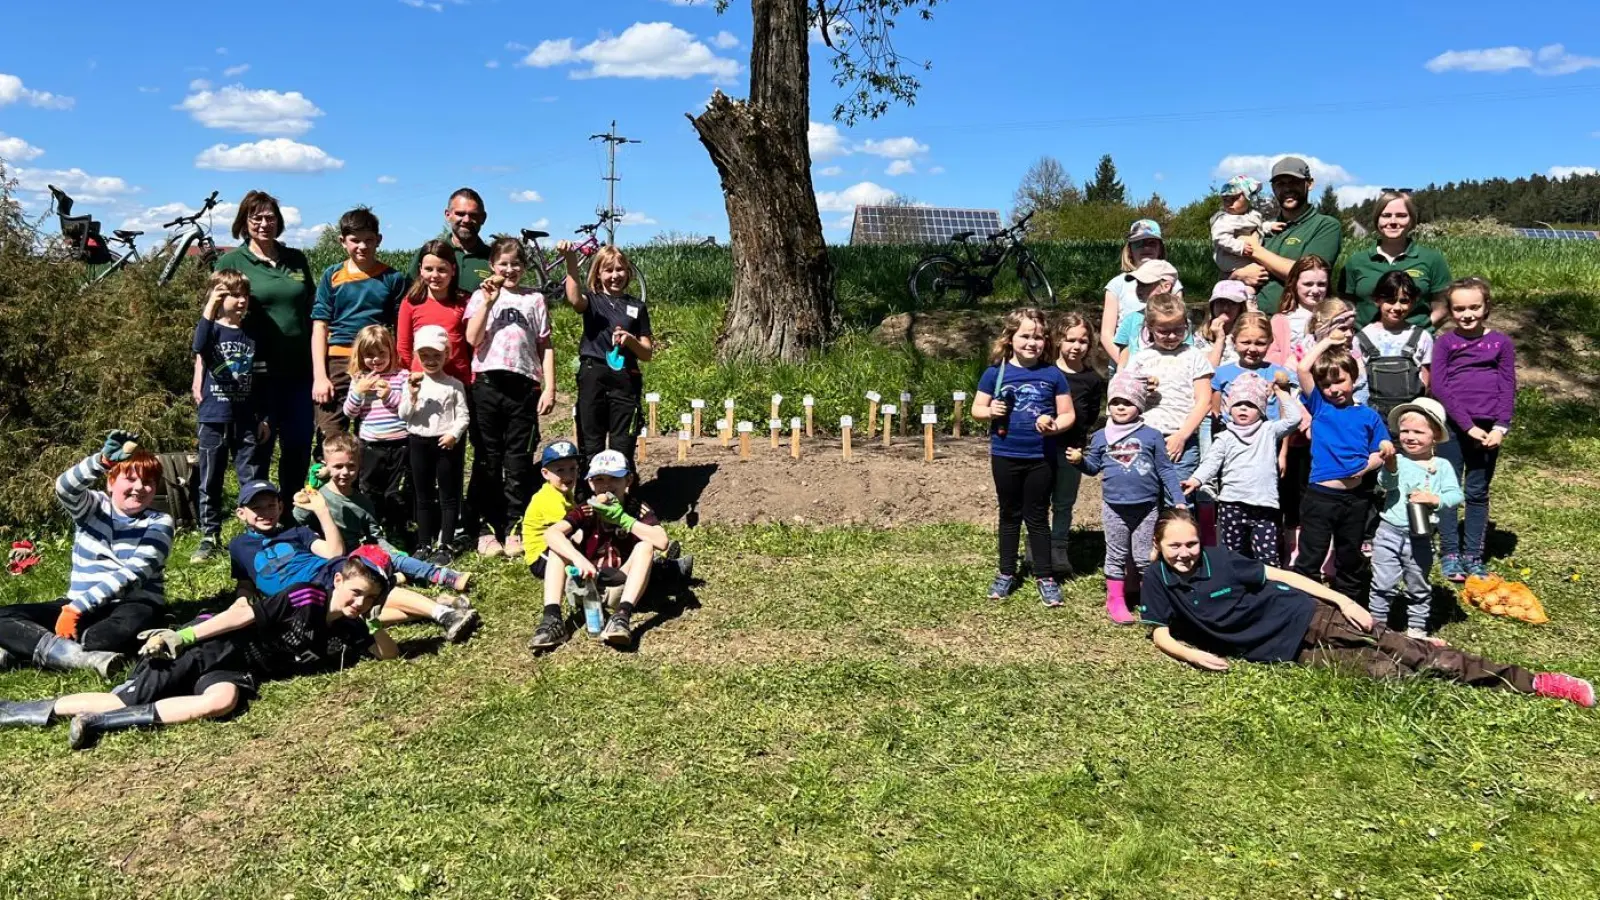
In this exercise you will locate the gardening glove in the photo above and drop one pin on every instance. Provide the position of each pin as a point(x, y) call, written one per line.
point(613, 513)
point(164, 643)
point(317, 477)
point(67, 624)
point(116, 448)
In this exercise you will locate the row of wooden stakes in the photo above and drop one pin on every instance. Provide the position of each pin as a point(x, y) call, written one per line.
point(691, 425)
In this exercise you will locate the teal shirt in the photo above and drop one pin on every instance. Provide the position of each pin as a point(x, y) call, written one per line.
point(1410, 476)
point(1361, 272)
point(280, 308)
point(351, 300)
point(1313, 234)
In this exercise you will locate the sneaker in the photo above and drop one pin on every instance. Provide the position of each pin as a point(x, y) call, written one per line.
point(6, 659)
point(454, 601)
point(1451, 568)
point(462, 580)
point(489, 548)
point(617, 633)
point(1049, 592)
point(1475, 567)
point(513, 546)
point(440, 556)
point(458, 624)
point(674, 550)
point(204, 552)
point(1559, 686)
point(550, 634)
point(1003, 586)
point(1417, 634)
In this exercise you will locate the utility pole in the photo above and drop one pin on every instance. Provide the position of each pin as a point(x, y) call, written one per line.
point(612, 140)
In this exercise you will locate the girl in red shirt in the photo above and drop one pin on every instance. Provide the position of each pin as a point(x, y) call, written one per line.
point(434, 299)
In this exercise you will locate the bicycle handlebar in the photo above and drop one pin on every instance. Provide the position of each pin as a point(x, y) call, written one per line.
point(209, 204)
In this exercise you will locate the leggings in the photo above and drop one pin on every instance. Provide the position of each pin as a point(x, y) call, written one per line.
point(1249, 530)
point(114, 626)
point(1130, 534)
point(608, 408)
point(1024, 487)
point(505, 429)
point(436, 479)
point(1062, 500)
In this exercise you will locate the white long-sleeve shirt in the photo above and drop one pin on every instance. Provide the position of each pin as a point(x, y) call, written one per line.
point(440, 407)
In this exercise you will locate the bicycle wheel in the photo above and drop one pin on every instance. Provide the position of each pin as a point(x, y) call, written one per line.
point(638, 281)
point(938, 277)
point(1037, 286)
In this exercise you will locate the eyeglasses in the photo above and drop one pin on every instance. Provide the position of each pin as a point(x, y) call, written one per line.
point(262, 218)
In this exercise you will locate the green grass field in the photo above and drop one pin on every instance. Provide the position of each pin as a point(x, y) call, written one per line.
point(841, 714)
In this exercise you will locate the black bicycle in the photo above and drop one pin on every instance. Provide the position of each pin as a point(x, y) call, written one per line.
point(83, 240)
point(972, 274)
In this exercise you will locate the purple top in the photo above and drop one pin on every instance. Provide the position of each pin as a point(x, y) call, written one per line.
point(1475, 378)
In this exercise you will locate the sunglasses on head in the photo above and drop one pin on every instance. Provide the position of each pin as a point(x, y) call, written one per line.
point(1389, 190)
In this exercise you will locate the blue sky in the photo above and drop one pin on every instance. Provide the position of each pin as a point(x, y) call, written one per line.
point(394, 103)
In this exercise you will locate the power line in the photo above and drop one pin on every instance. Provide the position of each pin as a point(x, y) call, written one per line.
point(613, 140)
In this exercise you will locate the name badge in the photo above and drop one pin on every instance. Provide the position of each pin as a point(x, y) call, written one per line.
point(633, 312)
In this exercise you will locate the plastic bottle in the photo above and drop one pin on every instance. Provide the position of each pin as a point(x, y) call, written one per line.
point(585, 595)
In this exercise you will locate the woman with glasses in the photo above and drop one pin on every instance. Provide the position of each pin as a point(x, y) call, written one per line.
point(1394, 217)
point(281, 289)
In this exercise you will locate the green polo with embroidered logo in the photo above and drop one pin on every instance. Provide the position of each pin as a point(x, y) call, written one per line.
point(1311, 234)
point(280, 307)
point(472, 266)
point(1425, 265)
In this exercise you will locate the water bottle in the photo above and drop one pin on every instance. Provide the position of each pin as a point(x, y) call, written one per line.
point(586, 596)
point(1420, 516)
point(1002, 423)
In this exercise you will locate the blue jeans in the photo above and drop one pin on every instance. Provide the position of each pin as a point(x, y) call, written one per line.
point(1190, 459)
point(1474, 465)
point(287, 407)
point(219, 440)
point(421, 572)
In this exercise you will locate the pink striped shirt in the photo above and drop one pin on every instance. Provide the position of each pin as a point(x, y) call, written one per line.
point(378, 420)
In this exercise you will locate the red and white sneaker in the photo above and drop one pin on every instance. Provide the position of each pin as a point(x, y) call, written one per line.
point(1560, 686)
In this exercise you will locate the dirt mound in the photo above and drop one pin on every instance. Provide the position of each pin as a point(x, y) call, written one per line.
point(878, 486)
point(942, 334)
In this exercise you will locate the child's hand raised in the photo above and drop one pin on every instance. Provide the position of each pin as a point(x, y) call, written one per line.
point(566, 249)
point(1386, 450)
point(310, 501)
point(491, 287)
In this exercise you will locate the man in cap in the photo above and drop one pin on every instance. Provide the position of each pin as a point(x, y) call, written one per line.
point(1305, 232)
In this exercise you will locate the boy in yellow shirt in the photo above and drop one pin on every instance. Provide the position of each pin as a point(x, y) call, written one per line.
point(559, 466)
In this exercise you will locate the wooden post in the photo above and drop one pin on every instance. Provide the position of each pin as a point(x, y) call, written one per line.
point(775, 425)
point(725, 432)
point(685, 423)
point(794, 438)
point(699, 407)
point(955, 419)
point(777, 401)
point(929, 420)
point(727, 418)
point(811, 404)
point(845, 423)
point(654, 400)
point(683, 445)
point(905, 410)
point(889, 410)
point(872, 413)
point(744, 439)
point(644, 446)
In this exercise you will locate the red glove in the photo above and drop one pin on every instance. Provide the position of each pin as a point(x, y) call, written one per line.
point(67, 624)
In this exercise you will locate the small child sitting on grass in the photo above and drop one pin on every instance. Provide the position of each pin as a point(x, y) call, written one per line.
point(558, 465)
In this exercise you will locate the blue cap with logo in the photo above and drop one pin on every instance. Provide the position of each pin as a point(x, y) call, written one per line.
point(556, 451)
point(250, 490)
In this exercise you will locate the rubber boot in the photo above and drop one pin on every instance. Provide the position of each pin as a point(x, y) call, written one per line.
point(1116, 602)
point(87, 729)
point(26, 713)
point(61, 655)
point(1060, 561)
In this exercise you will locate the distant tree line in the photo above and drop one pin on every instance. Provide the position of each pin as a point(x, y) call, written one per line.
point(1524, 202)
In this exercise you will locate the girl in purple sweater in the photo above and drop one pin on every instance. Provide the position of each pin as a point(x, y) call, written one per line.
point(1475, 377)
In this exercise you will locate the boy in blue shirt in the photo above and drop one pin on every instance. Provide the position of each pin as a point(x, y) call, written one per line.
point(351, 295)
point(1348, 443)
point(230, 422)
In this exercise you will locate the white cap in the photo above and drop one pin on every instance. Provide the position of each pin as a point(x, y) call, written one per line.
point(608, 462)
point(431, 337)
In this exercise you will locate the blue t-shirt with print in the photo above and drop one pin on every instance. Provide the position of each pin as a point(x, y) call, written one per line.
point(1342, 437)
point(1227, 372)
point(1030, 393)
point(227, 364)
point(276, 561)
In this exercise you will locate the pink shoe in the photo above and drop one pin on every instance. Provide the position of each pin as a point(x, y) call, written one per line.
point(1117, 603)
point(1560, 686)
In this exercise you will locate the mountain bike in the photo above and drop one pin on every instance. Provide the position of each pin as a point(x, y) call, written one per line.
point(551, 272)
point(972, 275)
point(86, 243)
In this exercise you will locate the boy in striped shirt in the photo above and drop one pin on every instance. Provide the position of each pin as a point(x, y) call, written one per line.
point(119, 557)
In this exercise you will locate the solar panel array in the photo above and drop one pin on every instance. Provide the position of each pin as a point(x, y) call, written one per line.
point(1563, 234)
point(919, 224)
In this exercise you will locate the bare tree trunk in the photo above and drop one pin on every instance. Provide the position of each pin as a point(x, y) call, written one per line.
point(782, 305)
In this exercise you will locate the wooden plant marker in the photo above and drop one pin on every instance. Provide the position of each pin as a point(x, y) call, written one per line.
point(654, 400)
point(727, 420)
point(955, 418)
point(872, 412)
point(725, 432)
point(905, 410)
point(889, 409)
point(644, 446)
point(929, 420)
point(845, 424)
point(744, 439)
point(699, 407)
point(811, 405)
point(794, 438)
point(777, 401)
point(683, 445)
point(685, 423)
point(774, 425)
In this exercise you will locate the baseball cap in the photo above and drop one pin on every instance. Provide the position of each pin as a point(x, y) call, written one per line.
point(1235, 291)
point(608, 462)
point(556, 451)
point(1144, 230)
point(1153, 270)
point(1292, 165)
point(376, 559)
point(250, 490)
point(432, 337)
point(1429, 409)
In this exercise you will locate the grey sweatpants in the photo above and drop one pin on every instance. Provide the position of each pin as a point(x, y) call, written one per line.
point(1400, 566)
point(1130, 533)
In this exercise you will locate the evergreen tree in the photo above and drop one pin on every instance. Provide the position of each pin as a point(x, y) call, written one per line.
point(1105, 189)
point(1329, 204)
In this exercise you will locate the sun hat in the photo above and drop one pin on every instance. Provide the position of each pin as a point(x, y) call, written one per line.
point(1242, 184)
point(1429, 409)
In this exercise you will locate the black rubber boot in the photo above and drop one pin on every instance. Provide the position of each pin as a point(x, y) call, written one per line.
point(26, 713)
point(62, 655)
point(86, 729)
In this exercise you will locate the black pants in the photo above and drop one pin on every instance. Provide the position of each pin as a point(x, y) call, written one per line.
point(1024, 488)
point(383, 479)
point(1340, 518)
point(436, 481)
point(608, 408)
point(114, 626)
point(505, 429)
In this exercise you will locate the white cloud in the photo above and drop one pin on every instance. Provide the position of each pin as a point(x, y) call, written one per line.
point(12, 90)
point(14, 149)
point(1559, 172)
point(1159, 176)
point(151, 218)
point(515, 47)
point(838, 31)
point(420, 4)
point(539, 224)
point(644, 50)
point(234, 71)
point(725, 40)
point(864, 194)
point(387, 179)
point(222, 51)
point(1260, 167)
point(936, 170)
point(826, 140)
point(237, 108)
point(80, 184)
point(636, 218)
point(273, 155)
point(1551, 59)
point(199, 84)
point(831, 171)
point(900, 167)
point(304, 237)
point(1353, 194)
point(492, 64)
point(526, 197)
point(846, 221)
point(894, 148)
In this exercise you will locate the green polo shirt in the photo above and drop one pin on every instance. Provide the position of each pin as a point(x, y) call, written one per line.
point(472, 267)
point(280, 308)
point(1425, 265)
point(1311, 234)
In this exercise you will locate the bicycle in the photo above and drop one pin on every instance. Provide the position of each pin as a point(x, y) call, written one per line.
point(973, 276)
point(548, 266)
point(90, 247)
